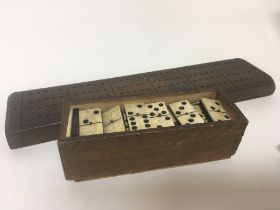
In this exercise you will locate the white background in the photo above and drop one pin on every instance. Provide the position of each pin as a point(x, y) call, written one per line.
point(56, 42)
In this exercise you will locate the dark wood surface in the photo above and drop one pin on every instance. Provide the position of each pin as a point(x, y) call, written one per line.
point(34, 116)
point(114, 154)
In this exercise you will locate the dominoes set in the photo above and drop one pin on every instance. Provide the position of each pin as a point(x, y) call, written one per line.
point(139, 116)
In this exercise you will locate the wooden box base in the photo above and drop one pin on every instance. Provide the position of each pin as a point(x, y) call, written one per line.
point(105, 155)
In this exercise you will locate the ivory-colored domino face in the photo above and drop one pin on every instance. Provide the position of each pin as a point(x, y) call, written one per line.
point(138, 122)
point(156, 109)
point(90, 116)
point(86, 130)
point(212, 105)
point(190, 118)
point(219, 116)
point(143, 122)
point(113, 120)
point(186, 113)
point(111, 115)
point(163, 121)
point(117, 126)
point(90, 122)
point(215, 109)
point(151, 109)
point(181, 108)
point(144, 116)
point(134, 109)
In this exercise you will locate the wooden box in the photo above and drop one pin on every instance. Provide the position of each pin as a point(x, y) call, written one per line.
point(34, 116)
point(105, 155)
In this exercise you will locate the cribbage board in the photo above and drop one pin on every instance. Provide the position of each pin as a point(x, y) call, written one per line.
point(34, 116)
point(147, 132)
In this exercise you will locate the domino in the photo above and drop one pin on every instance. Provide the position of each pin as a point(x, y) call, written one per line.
point(135, 109)
point(90, 116)
point(143, 122)
point(215, 109)
point(186, 113)
point(144, 116)
point(181, 108)
point(112, 120)
point(90, 122)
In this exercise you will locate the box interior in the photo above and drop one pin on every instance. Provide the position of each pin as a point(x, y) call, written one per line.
point(105, 104)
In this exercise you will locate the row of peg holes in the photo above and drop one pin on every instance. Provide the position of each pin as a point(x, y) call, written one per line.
point(46, 99)
point(41, 116)
point(166, 79)
point(246, 78)
point(205, 78)
point(170, 85)
point(212, 84)
point(135, 91)
point(90, 91)
point(136, 84)
point(45, 91)
point(127, 79)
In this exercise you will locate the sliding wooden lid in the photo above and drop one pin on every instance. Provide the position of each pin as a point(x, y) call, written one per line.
point(34, 116)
